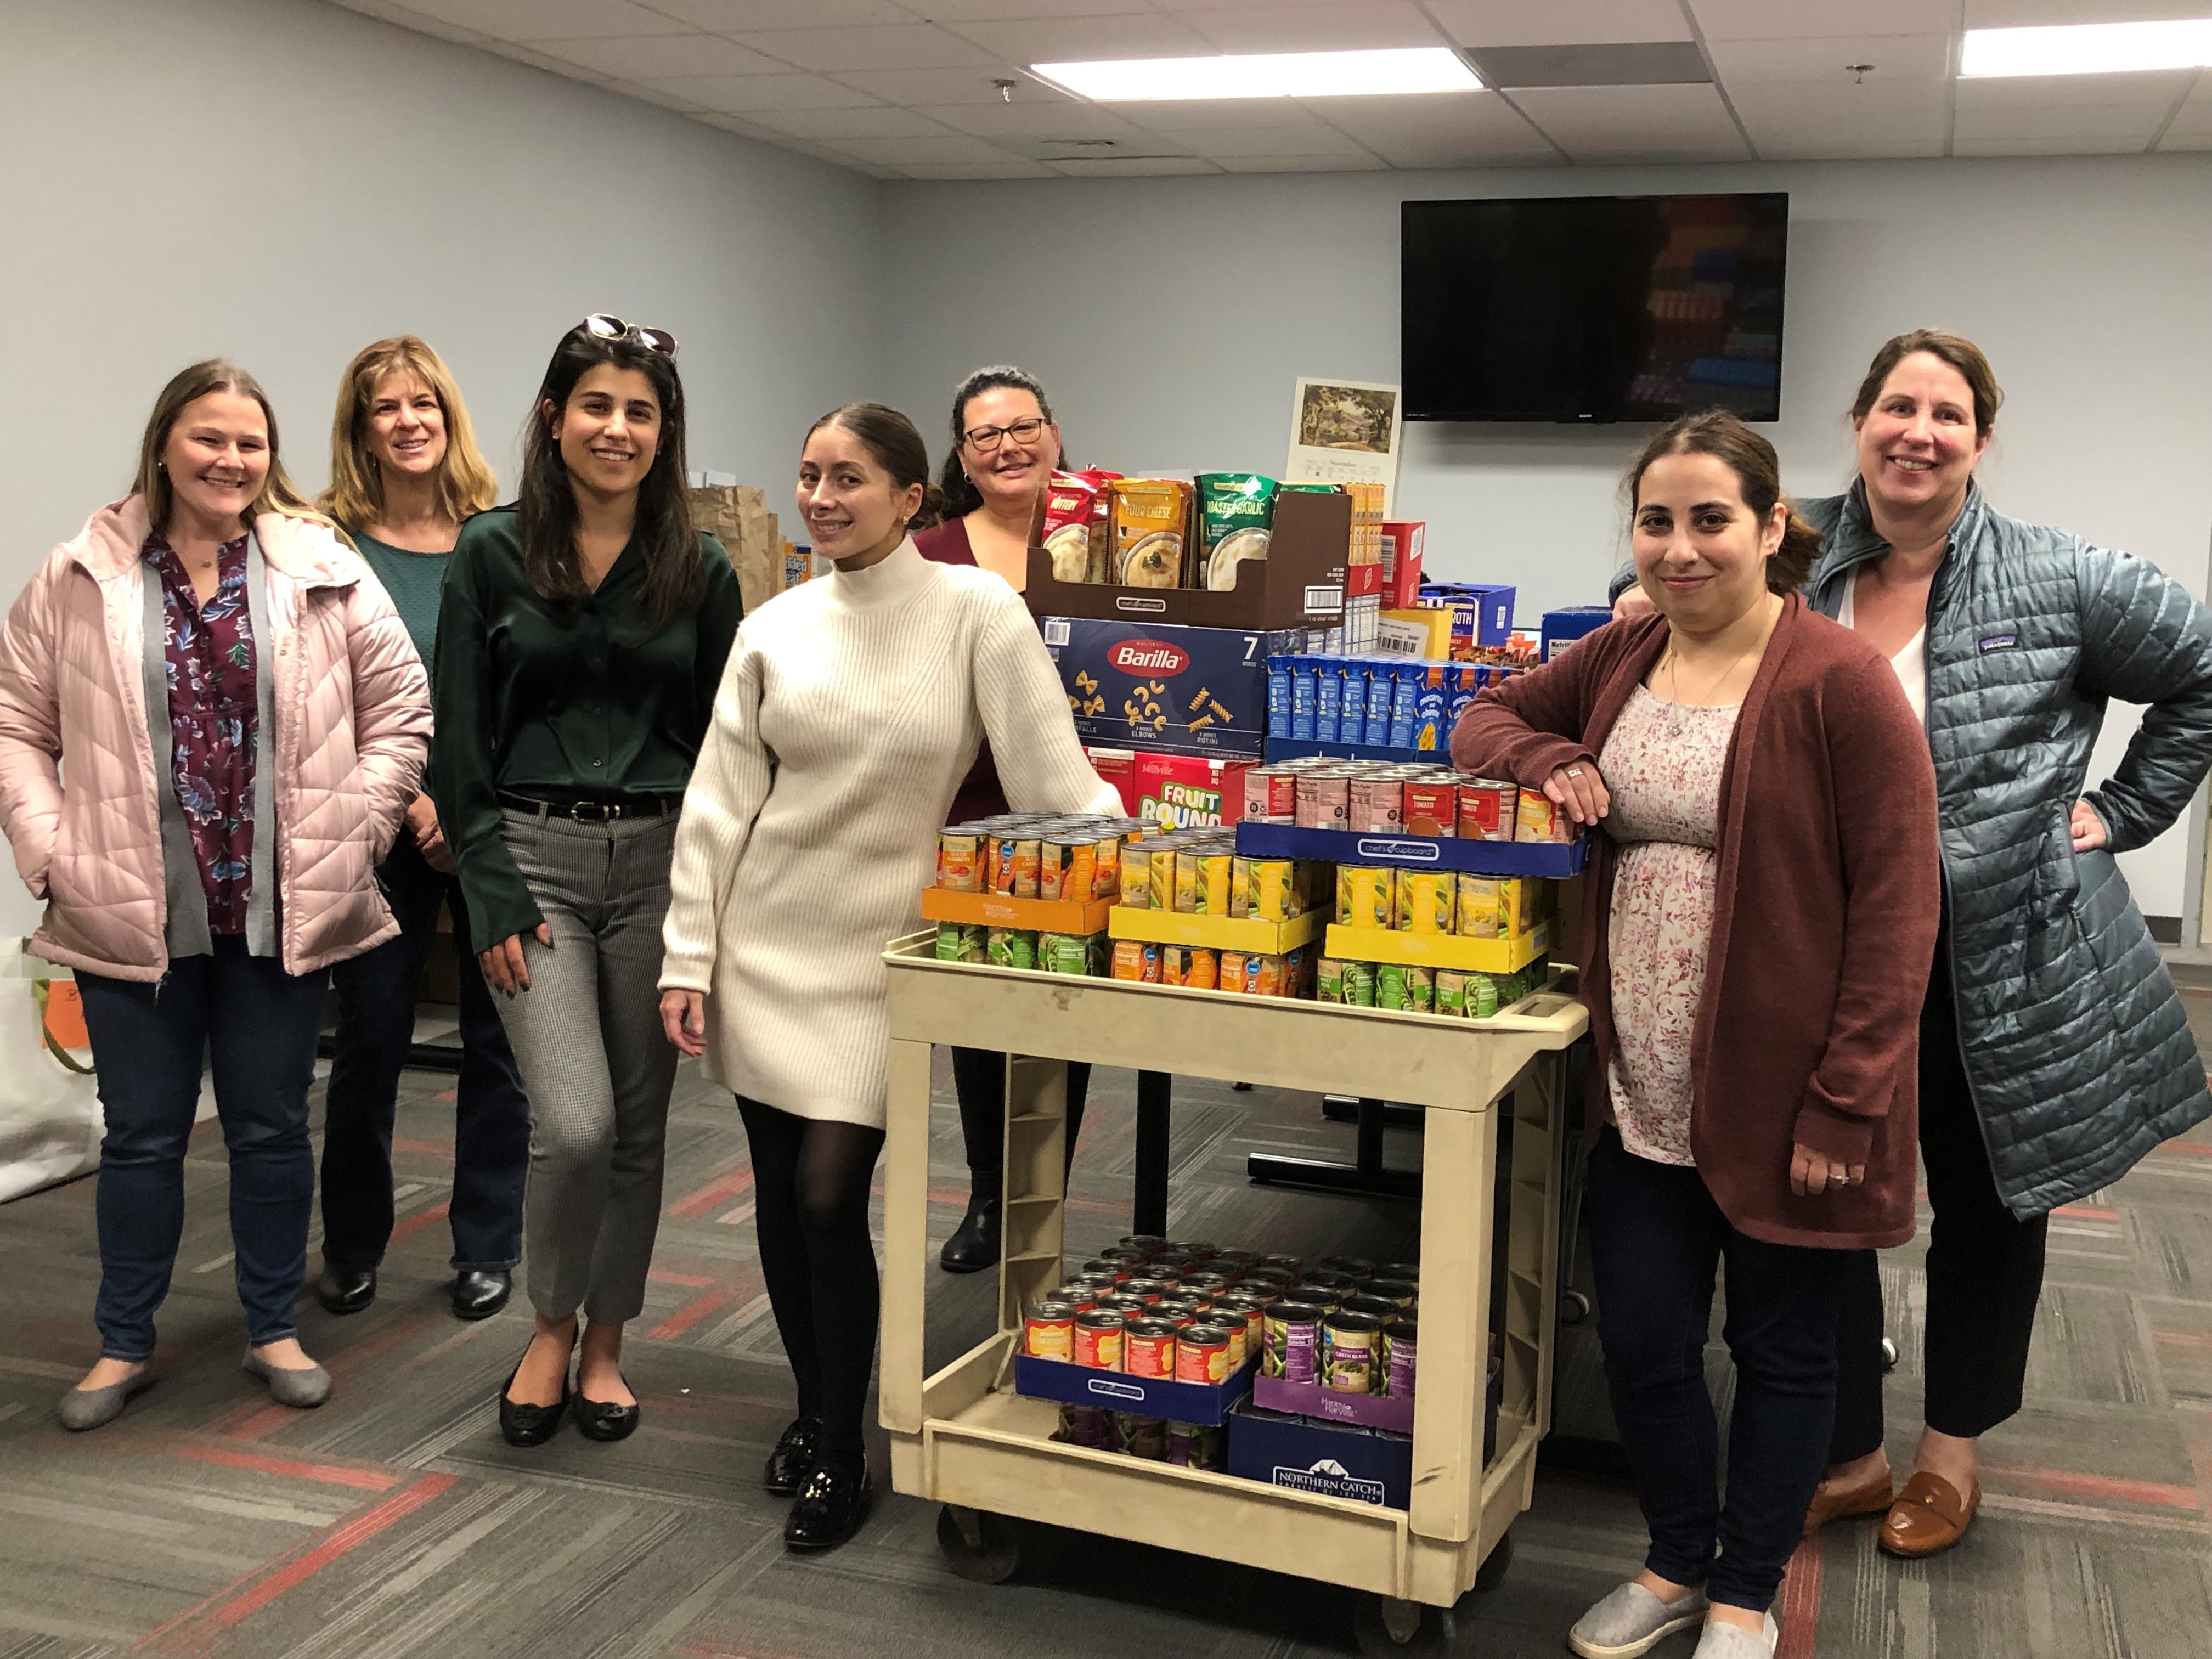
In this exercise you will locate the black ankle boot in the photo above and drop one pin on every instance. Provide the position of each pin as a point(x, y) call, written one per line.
point(973, 1245)
point(830, 1510)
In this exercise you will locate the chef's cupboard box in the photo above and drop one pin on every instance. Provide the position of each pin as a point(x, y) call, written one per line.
point(1184, 690)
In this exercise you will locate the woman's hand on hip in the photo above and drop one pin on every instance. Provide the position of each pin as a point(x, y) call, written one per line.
point(503, 964)
point(684, 1018)
point(1579, 789)
point(1812, 1174)
point(2089, 828)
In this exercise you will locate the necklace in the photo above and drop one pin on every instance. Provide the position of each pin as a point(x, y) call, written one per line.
point(1678, 717)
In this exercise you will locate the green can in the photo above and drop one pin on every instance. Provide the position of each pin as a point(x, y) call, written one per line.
point(1481, 996)
point(1451, 993)
point(948, 941)
point(1420, 989)
point(1012, 947)
point(962, 941)
point(1390, 985)
point(1329, 987)
point(1359, 984)
point(1064, 953)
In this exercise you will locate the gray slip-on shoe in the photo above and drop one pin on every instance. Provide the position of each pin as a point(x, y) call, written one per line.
point(290, 1385)
point(1733, 1642)
point(88, 1409)
point(1632, 1621)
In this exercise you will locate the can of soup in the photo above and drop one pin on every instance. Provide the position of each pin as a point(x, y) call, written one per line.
point(1048, 1330)
point(1097, 1339)
point(1203, 1355)
point(1148, 1348)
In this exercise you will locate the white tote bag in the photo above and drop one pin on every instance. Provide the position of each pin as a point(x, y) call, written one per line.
point(50, 1121)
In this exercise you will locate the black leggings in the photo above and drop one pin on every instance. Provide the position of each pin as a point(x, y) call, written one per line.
point(979, 1076)
point(811, 1180)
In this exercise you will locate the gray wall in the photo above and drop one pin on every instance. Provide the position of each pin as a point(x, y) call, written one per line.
point(1170, 317)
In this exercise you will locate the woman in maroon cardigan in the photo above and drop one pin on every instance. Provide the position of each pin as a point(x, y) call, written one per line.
point(1759, 915)
point(1004, 446)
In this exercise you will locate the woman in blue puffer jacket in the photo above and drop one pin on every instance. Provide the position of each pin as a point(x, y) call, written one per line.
point(2054, 1049)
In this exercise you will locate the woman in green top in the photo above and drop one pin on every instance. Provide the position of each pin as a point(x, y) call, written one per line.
point(580, 642)
point(405, 472)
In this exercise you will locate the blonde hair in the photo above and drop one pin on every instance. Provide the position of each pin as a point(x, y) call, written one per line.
point(186, 387)
point(355, 497)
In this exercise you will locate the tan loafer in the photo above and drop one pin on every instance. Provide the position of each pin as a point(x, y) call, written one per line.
point(1870, 1497)
point(1928, 1517)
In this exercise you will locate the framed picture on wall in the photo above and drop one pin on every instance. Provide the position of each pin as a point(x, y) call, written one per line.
point(1346, 432)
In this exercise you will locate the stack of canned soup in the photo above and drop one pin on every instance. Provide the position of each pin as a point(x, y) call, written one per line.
point(1400, 797)
point(1038, 856)
point(1199, 872)
point(1162, 1309)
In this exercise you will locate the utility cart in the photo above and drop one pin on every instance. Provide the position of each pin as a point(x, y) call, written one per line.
point(964, 1438)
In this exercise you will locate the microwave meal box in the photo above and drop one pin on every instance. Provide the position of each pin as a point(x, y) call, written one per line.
point(1167, 687)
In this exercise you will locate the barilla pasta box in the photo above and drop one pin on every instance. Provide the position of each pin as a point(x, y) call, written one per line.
point(1166, 688)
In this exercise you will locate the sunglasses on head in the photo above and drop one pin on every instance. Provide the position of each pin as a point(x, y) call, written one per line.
point(606, 327)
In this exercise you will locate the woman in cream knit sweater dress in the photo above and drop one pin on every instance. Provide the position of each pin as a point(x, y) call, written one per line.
point(850, 709)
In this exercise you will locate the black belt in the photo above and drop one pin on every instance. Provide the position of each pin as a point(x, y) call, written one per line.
point(594, 812)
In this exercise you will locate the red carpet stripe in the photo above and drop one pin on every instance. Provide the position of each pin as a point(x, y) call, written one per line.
point(419, 1220)
point(329, 1474)
point(716, 1192)
point(1798, 1611)
point(2153, 1493)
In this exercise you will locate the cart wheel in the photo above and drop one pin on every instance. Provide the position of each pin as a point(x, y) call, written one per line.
point(1491, 1572)
point(1574, 1307)
point(1387, 1628)
point(981, 1547)
point(1888, 1355)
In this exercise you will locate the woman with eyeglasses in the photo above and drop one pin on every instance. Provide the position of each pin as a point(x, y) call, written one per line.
point(1004, 446)
point(582, 634)
point(405, 472)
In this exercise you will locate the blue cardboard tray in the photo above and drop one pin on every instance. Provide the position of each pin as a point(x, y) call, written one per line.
point(1331, 1460)
point(1204, 1403)
point(1479, 858)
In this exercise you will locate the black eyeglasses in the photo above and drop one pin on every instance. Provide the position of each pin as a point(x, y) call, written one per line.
point(607, 327)
point(985, 439)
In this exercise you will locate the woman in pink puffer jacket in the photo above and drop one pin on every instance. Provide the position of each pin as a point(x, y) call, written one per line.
point(211, 722)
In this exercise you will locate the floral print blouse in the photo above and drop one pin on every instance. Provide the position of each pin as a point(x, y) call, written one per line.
point(214, 721)
point(1663, 765)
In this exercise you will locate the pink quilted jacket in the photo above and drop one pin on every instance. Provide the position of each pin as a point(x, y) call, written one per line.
point(353, 729)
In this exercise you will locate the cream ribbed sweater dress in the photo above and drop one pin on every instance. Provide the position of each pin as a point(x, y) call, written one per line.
point(849, 711)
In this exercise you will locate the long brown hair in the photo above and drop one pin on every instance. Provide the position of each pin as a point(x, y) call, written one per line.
point(898, 449)
point(1956, 349)
point(187, 387)
point(1721, 435)
point(355, 497)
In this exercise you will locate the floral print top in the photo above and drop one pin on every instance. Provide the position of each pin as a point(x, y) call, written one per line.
point(214, 721)
point(1663, 765)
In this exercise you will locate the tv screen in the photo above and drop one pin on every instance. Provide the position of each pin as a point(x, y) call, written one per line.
point(1593, 307)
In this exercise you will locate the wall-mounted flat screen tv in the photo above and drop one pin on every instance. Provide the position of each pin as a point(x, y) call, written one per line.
point(1593, 307)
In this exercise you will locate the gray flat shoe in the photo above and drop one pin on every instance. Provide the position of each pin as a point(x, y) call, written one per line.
point(1733, 1642)
point(290, 1386)
point(1632, 1621)
point(88, 1409)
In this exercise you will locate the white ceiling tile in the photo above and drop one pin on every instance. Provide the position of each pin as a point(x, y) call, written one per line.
point(1891, 113)
point(952, 149)
point(2074, 146)
point(2123, 124)
point(737, 94)
point(1012, 168)
point(1371, 25)
point(953, 86)
point(2154, 90)
point(1893, 58)
point(408, 17)
point(1635, 123)
point(1221, 142)
point(1475, 121)
point(735, 16)
point(2175, 143)
point(2201, 93)
point(1361, 162)
point(1063, 120)
point(2192, 117)
point(1862, 149)
point(1788, 19)
point(1191, 114)
point(837, 126)
point(1135, 167)
point(1081, 39)
point(537, 58)
point(646, 94)
point(2026, 14)
point(886, 46)
point(1427, 155)
point(1000, 11)
point(652, 56)
point(1559, 22)
point(548, 19)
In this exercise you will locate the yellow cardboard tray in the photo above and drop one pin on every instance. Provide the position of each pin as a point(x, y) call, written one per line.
point(1487, 956)
point(1079, 916)
point(1216, 933)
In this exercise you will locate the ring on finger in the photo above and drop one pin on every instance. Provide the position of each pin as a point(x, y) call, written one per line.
point(1574, 771)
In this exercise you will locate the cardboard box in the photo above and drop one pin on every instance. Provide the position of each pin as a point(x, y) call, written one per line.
point(1402, 542)
point(1205, 1403)
point(1417, 631)
point(1184, 791)
point(1564, 626)
point(1482, 611)
point(1330, 1460)
point(1166, 689)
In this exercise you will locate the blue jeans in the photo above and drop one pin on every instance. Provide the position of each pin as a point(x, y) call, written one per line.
point(148, 1041)
point(377, 994)
point(1656, 1238)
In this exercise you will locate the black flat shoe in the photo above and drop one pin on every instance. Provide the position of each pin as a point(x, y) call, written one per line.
point(480, 1292)
point(793, 1460)
point(602, 1419)
point(830, 1510)
point(973, 1245)
point(531, 1426)
point(345, 1289)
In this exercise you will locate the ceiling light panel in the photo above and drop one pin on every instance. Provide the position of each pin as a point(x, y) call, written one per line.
point(2088, 49)
point(1271, 75)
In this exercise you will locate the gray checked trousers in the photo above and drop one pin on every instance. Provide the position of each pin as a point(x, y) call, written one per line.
point(588, 1039)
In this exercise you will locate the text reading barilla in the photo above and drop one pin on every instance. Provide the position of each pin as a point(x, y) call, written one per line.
point(1149, 657)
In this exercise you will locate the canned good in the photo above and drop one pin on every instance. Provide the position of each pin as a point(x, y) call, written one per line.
point(1390, 985)
point(1328, 1282)
point(956, 870)
point(1537, 818)
point(1082, 1295)
point(1068, 866)
point(1409, 1271)
point(1324, 800)
point(1174, 1258)
point(1292, 1342)
point(1099, 1282)
point(1048, 1330)
point(1396, 1370)
point(1481, 912)
point(1293, 1265)
point(1178, 1302)
point(1012, 947)
point(1451, 993)
point(1019, 859)
point(1328, 986)
point(1265, 1280)
point(1203, 1355)
point(1136, 876)
point(1403, 1291)
point(1487, 810)
point(1210, 880)
point(1143, 1243)
point(1420, 988)
point(1235, 1261)
point(1148, 1349)
point(1152, 1289)
point(1275, 891)
point(1432, 808)
point(1140, 1437)
point(1247, 1314)
point(1097, 1339)
point(1374, 1307)
point(1351, 1267)
point(1105, 867)
point(1189, 965)
point(1066, 953)
point(1137, 959)
point(1367, 895)
point(1122, 1302)
point(1161, 870)
point(1194, 1446)
point(1348, 1344)
point(1373, 806)
point(1124, 1252)
point(1205, 1283)
point(1481, 996)
point(1426, 901)
point(1359, 984)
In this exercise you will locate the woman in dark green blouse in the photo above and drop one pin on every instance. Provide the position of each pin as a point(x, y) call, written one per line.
point(581, 642)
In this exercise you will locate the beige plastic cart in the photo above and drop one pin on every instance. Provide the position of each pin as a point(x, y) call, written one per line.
point(965, 1439)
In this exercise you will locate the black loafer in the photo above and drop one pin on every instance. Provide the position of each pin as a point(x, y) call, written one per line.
point(793, 1460)
point(602, 1419)
point(345, 1289)
point(830, 1510)
point(530, 1426)
point(480, 1292)
point(973, 1245)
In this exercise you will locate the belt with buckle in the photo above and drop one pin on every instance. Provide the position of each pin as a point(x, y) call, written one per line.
point(593, 812)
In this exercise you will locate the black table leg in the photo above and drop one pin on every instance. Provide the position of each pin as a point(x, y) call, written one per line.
point(1367, 1176)
point(1150, 1208)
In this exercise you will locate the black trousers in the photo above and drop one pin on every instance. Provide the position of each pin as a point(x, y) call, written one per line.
point(978, 1077)
point(1657, 1237)
point(1984, 1269)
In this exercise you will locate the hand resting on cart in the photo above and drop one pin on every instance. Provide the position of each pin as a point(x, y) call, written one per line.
point(1580, 788)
